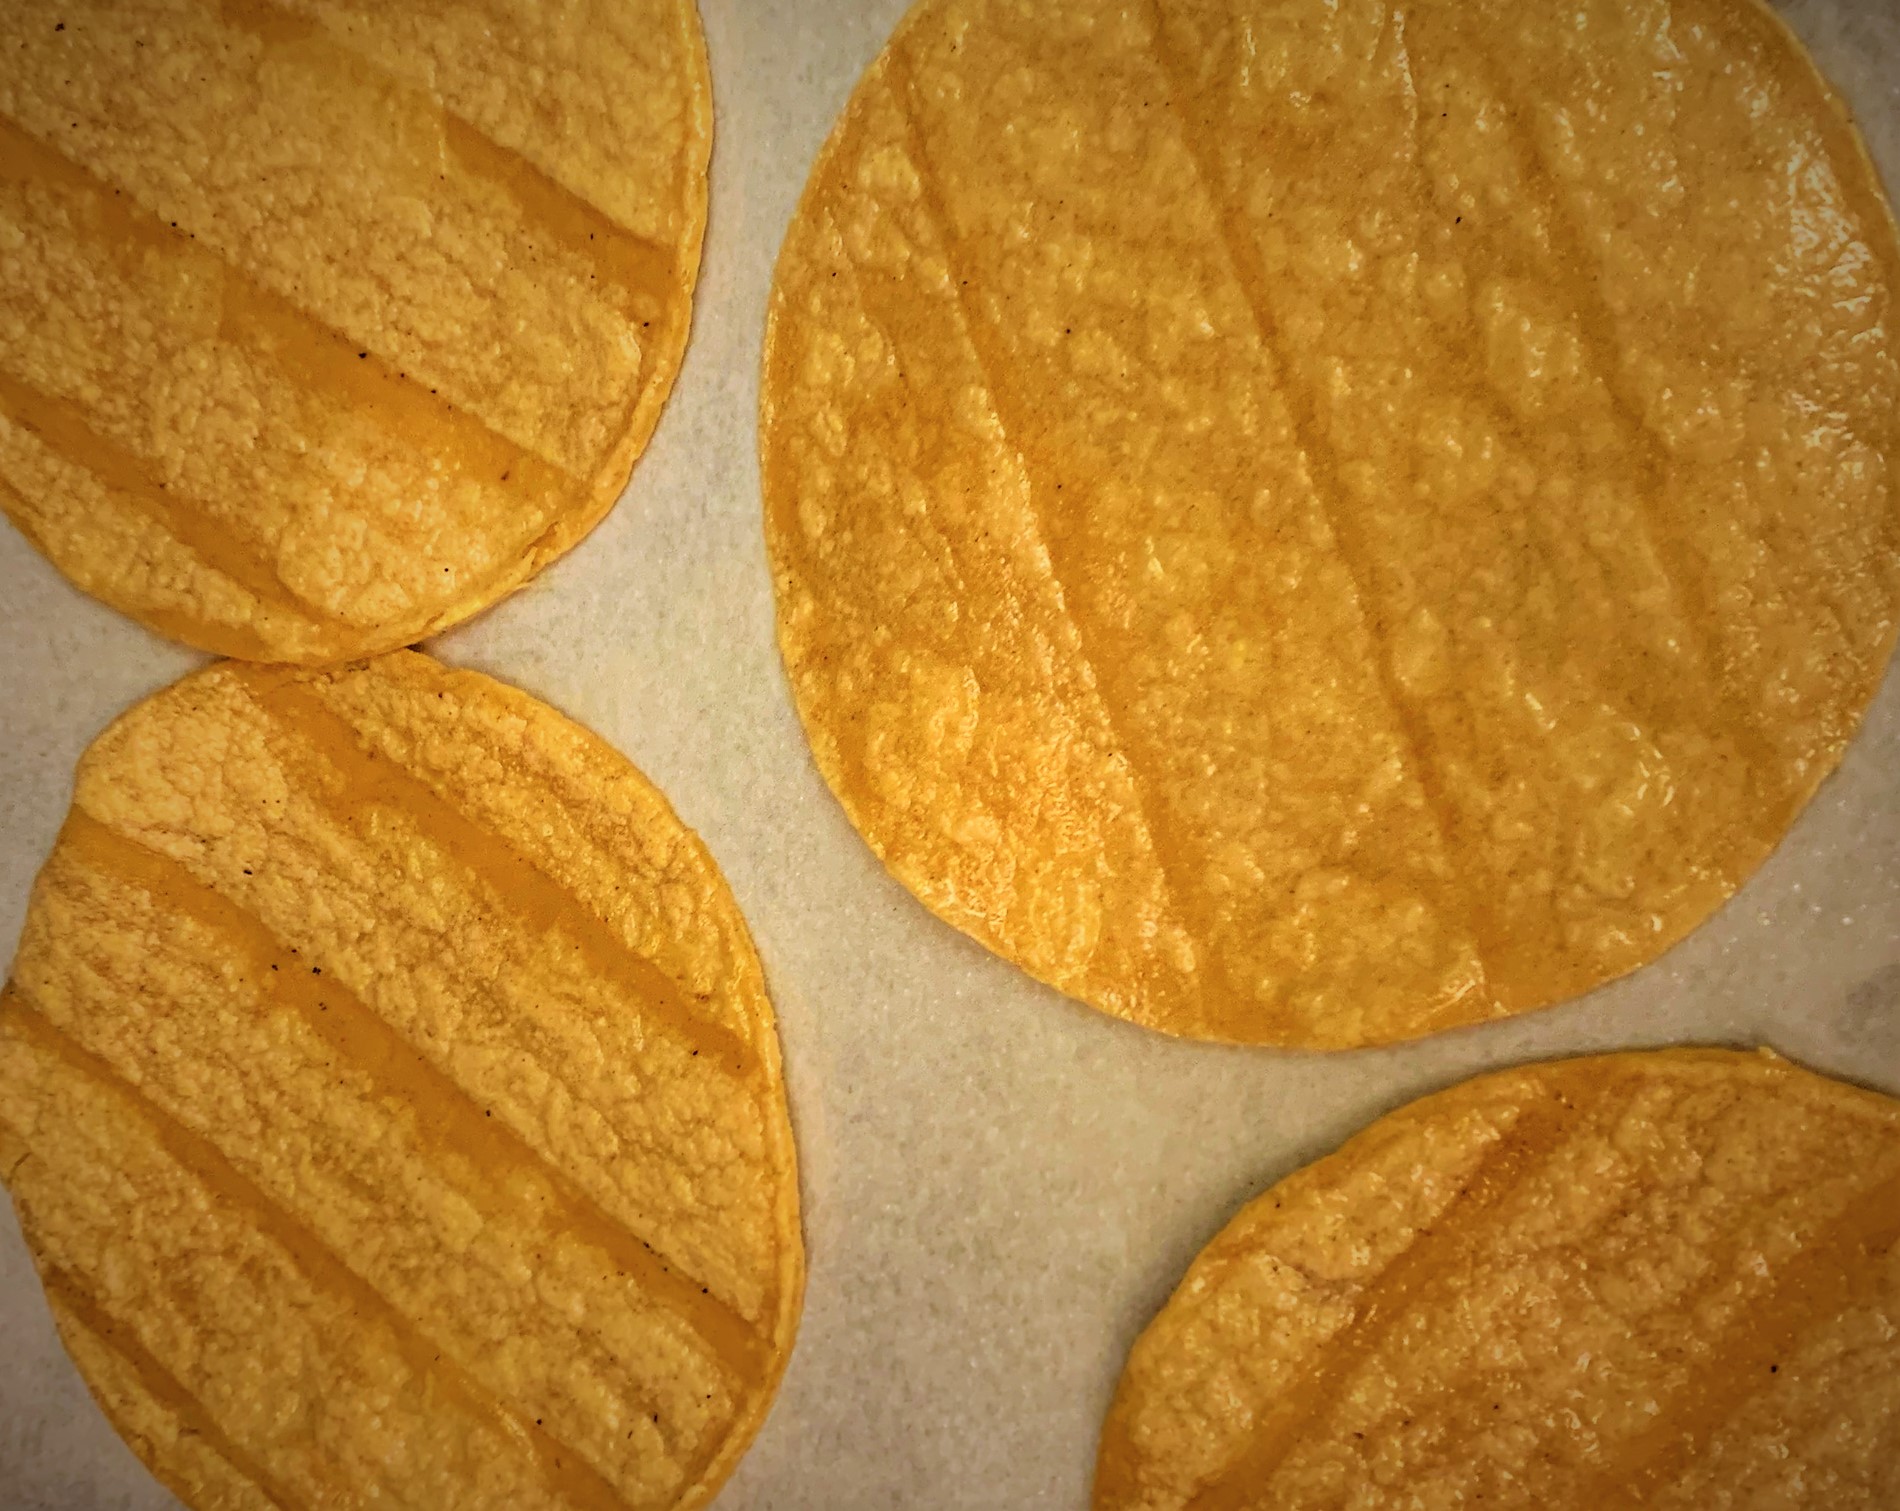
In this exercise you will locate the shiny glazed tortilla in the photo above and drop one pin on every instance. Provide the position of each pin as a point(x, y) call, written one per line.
point(1312, 524)
point(326, 323)
point(392, 1104)
point(1649, 1280)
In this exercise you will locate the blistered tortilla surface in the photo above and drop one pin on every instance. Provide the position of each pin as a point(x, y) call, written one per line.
point(1314, 523)
point(1663, 1280)
point(392, 1104)
point(326, 323)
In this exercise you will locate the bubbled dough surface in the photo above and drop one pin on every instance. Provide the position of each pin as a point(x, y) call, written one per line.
point(1666, 1280)
point(389, 1094)
point(970, 1142)
point(327, 323)
point(1315, 524)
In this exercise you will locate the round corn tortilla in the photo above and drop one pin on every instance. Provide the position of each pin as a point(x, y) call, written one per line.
point(326, 323)
point(1311, 524)
point(392, 1104)
point(1661, 1280)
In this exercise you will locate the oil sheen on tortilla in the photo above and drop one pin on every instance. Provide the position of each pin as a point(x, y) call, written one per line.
point(392, 1105)
point(1312, 523)
point(326, 323)
point(1660, 1280)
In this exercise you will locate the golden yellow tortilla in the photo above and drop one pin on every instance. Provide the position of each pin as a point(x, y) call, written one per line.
point(392, 1104)
point(1313, 523)
point(326, 323)
point(1668, 1281)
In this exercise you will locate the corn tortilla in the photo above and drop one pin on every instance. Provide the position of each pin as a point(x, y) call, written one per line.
point(392, 1104)
point(1311, 524)
point(1663, 1280)
point(326, 323)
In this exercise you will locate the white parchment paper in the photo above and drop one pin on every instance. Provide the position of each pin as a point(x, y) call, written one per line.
point(1000, 1186)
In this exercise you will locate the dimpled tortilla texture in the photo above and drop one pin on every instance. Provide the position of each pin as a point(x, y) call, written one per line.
point(1660, 1280)
point(325, 323)
point(1312, 524)
point(391, 1101)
